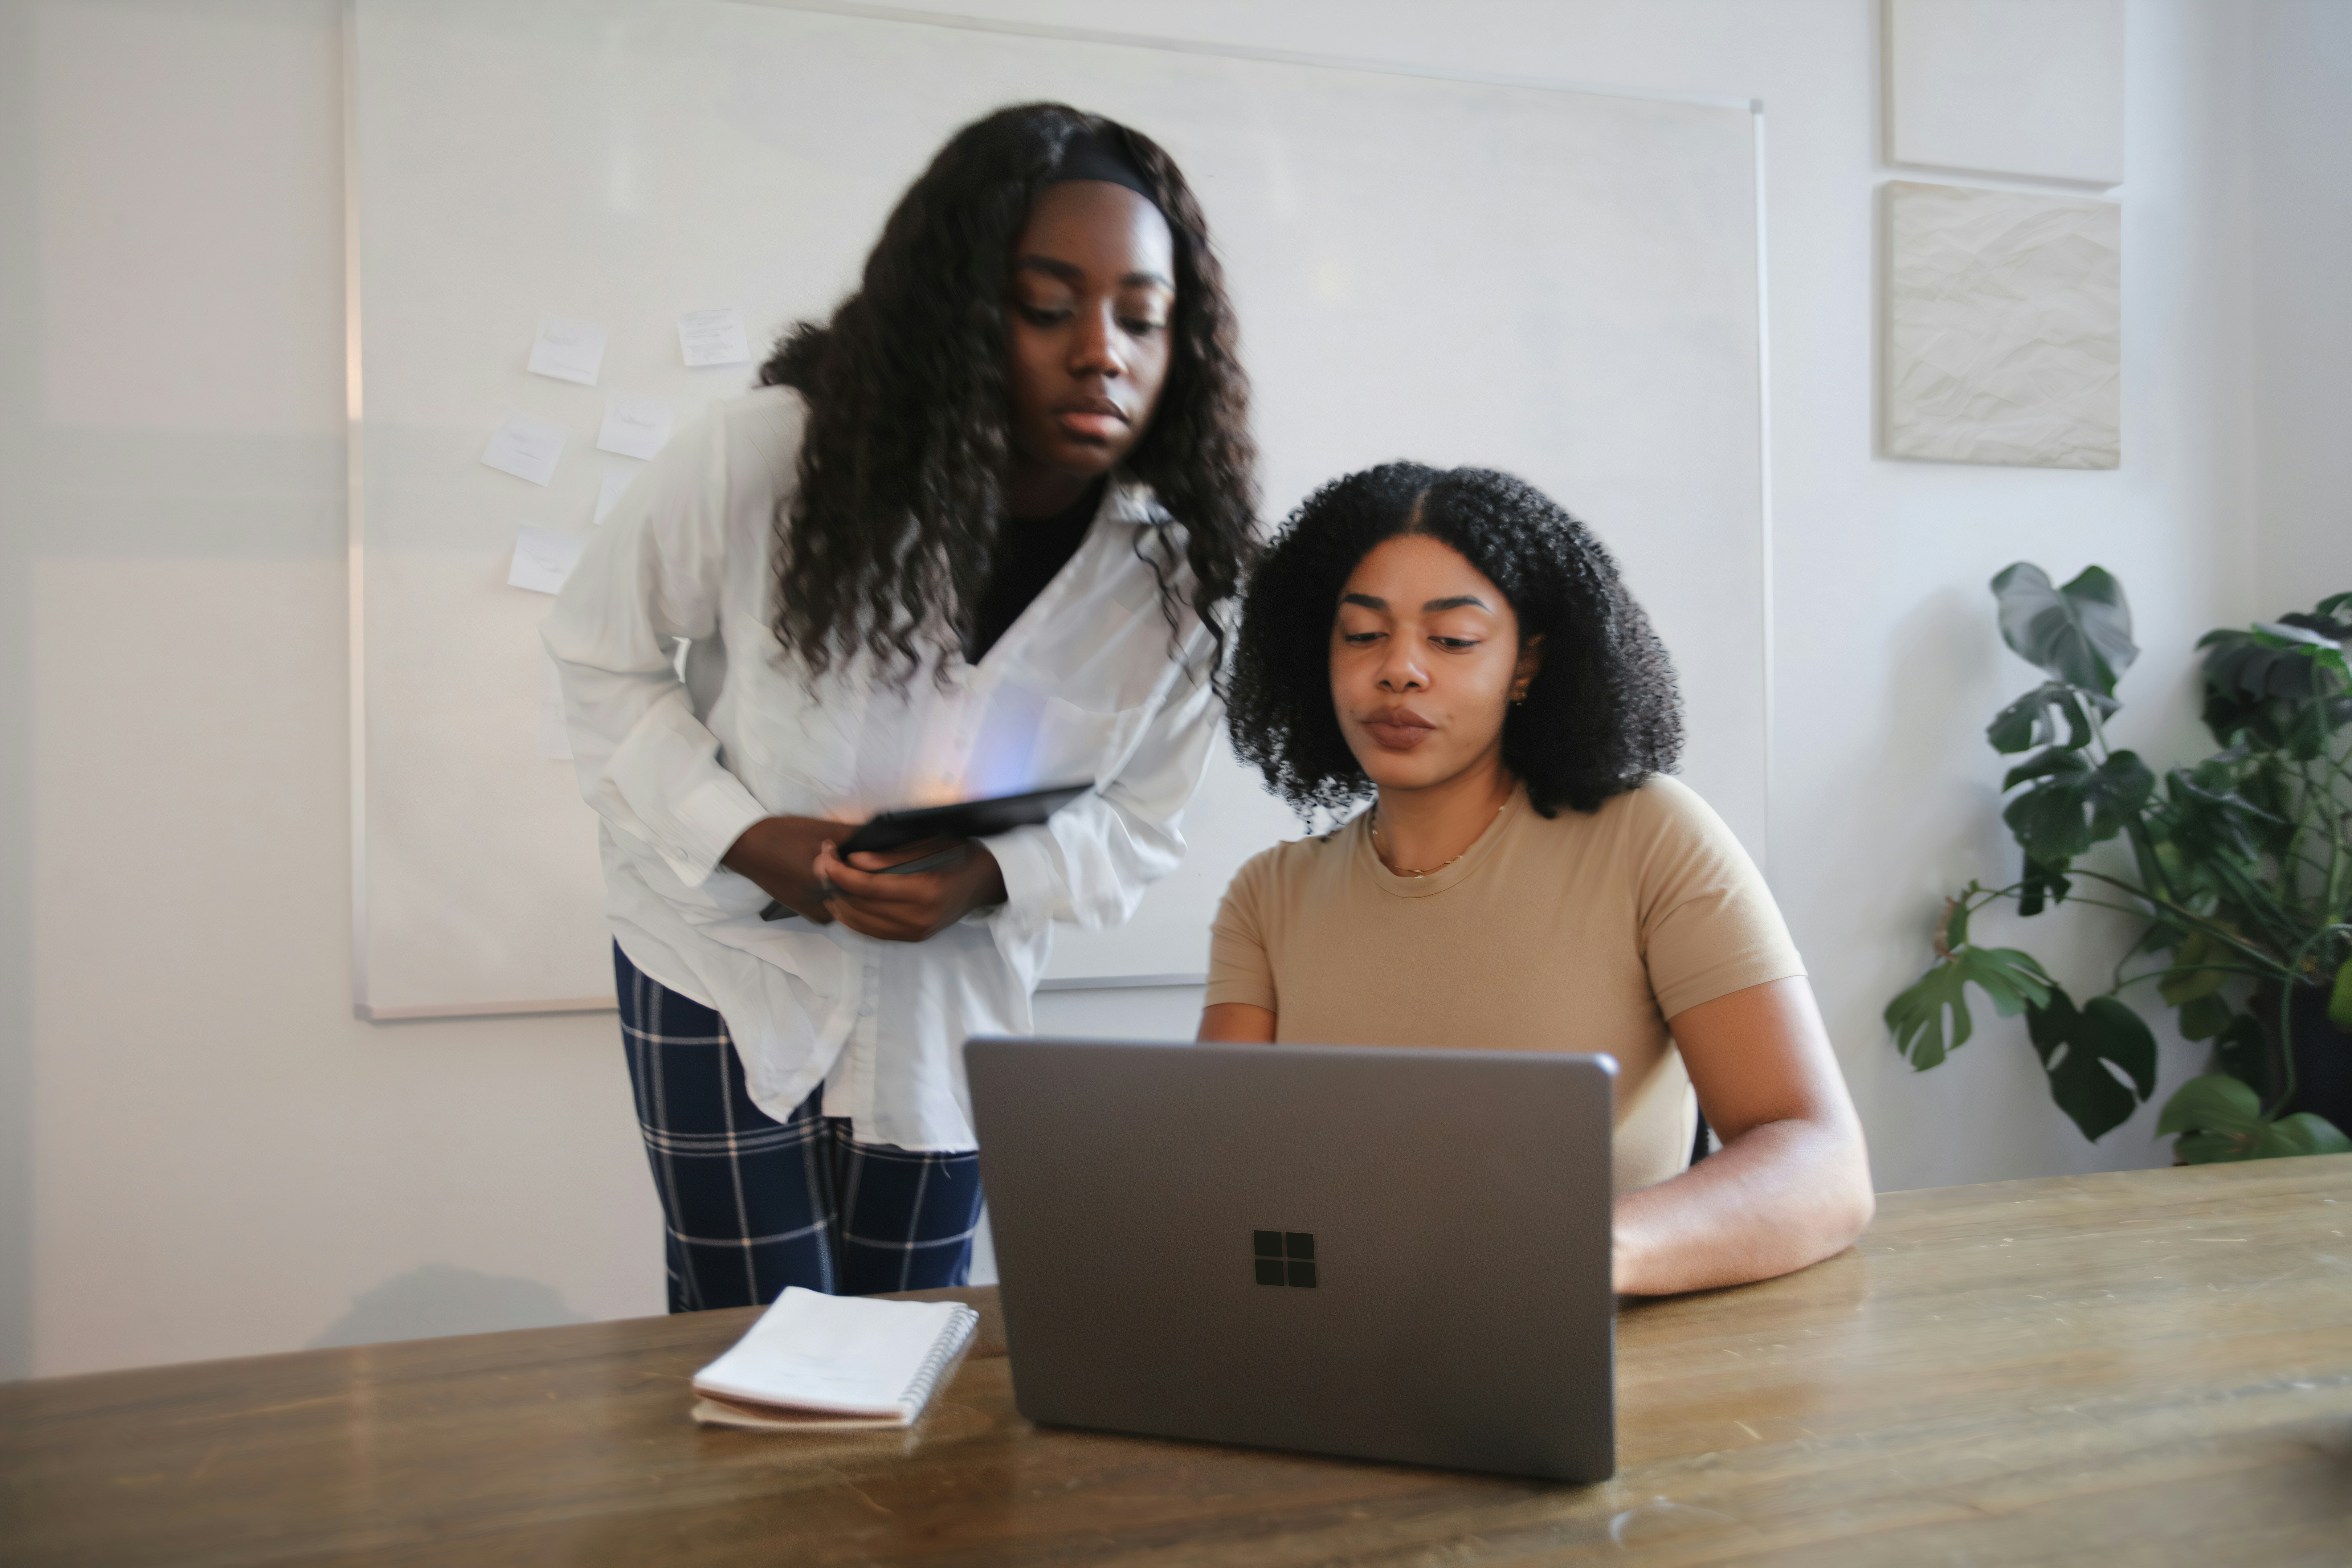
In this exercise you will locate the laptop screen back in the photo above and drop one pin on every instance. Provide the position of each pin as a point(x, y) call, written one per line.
point(1387, 1253)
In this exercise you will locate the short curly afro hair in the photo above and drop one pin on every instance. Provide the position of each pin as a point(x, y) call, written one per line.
point(1602, 713)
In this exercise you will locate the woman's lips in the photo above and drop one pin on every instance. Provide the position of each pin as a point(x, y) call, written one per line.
point(1091, 421)
point(1398, 734)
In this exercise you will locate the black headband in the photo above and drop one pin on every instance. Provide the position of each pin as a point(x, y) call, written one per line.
point(1104, 156)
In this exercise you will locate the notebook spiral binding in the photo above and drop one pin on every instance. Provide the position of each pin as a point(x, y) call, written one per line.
point(945, 1353)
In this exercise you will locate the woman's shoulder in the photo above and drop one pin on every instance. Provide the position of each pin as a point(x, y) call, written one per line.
point(1662, 797)
point(1658, 799)
point(1669, 831)
point(745, 449)
point(1284, 868)
point(1660, 812)
point(764, 420)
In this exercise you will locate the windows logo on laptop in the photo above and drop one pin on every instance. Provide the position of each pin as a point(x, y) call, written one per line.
point(1285, 1256)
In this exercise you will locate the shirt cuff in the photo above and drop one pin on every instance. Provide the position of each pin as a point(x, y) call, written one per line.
point(1024, 856)
point(706, 823)
point(1249, 990)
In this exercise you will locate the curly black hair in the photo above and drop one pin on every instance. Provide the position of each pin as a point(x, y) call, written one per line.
point(888, 545)
point(1603, 712)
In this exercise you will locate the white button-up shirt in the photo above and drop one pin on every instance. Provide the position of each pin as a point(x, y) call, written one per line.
point(1091, 683)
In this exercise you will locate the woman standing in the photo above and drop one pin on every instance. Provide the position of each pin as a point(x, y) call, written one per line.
point(971, 537)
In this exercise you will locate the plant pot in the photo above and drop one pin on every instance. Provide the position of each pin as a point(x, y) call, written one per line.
point(2323, 1058)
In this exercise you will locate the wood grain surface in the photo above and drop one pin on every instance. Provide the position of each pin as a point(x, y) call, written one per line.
point(2149, 1367)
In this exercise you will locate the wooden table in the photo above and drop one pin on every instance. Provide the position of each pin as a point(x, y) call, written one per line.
point(2147, 1367)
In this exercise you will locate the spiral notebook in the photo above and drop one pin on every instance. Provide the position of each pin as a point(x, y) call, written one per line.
point(817, 1362)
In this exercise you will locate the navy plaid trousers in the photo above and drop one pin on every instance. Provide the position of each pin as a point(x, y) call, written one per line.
point(751, 1205)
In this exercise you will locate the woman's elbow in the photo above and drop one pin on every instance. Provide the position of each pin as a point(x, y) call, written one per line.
point(1860, 1206)
point(1849, 1205)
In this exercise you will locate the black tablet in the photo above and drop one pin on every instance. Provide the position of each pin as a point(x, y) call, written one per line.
point(965, 819)
point(970, 819)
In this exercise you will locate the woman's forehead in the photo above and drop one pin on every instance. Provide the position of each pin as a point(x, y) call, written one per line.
point(1097, 228)
point(1415, 570)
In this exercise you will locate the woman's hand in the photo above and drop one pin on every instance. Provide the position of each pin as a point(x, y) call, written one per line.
point(779, 854)
point(911, 905)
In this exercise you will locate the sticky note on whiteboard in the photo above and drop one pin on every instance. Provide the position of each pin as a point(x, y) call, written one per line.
point(525, 448)
point(609, 495)
point(568, 350)
point(634, 426)
point(713, 337)
point(543, 559)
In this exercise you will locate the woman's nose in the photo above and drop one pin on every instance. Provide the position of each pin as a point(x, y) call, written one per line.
point(1097, 351)
point(1400, 673)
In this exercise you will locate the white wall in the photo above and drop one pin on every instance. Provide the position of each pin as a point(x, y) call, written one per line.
point(2302, 197)
point(221, 1159)
point(203, 1155)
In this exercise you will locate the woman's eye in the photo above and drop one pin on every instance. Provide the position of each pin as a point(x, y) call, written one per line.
point(1360, 640)
point(1040, 316)
point(1456, 644)
point(1138, 327)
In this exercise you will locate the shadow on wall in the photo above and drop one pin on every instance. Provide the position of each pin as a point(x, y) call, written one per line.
point(438, 1298)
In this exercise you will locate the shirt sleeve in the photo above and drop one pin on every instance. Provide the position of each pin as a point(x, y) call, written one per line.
point(1709, 925)
point(1091, 862)
point(653, 574)
point(1239, 967)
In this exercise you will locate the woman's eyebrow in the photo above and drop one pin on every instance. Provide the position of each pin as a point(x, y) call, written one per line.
point(1070, 272)
point(1067, 271)
point(1459, 601)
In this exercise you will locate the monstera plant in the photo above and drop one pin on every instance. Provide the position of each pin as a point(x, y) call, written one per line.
point(2237, 870)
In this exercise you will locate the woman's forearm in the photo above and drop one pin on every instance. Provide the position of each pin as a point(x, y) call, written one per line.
point(1782, 1195)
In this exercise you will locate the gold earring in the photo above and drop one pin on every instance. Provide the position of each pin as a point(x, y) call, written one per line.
point(1520, 701)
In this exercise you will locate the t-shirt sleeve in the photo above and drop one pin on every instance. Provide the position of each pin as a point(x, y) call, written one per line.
point(1709, 925)
point(1239, 968)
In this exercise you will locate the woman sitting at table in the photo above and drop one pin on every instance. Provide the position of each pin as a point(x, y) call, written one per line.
point(1457, 647)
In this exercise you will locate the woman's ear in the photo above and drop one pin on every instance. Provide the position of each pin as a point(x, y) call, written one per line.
point(1531, 660)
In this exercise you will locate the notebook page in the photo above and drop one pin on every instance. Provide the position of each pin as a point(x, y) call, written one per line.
point(846, 1355)
point(709, 1412)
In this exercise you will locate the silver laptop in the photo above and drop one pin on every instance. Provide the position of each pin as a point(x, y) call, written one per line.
point(1388, 1254)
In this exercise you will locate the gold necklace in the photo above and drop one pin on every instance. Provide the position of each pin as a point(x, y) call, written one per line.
point(1397, 871)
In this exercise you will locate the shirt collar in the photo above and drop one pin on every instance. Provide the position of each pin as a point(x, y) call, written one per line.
point(1129, 501)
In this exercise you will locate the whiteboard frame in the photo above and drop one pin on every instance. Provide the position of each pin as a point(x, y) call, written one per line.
point(356, 447)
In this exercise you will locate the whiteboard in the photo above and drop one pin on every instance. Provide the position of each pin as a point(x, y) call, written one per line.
point(1560, 283)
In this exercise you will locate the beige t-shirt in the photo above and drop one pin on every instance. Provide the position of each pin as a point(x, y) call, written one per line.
point(1578, 934)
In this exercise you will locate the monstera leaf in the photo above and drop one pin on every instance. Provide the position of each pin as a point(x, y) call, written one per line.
point(2332, 618)
point(2041, 887)
point(2034, 719)
point(2284, 682)
point(2075, 1045)
point(2014, 980)
point(2073, 805)
point(2219, 1119)
point(2211, 824)
point(2080, 633)
point(2275, 659)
